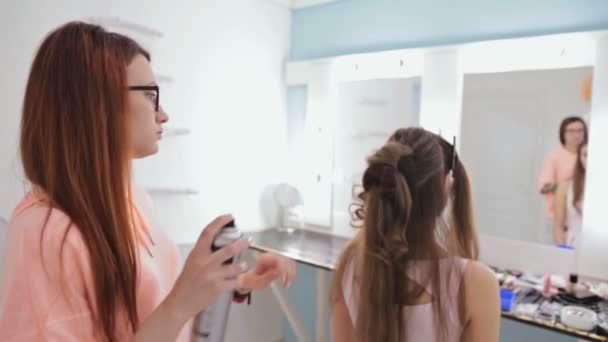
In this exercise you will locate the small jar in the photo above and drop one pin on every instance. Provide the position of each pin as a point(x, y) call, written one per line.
point(573, 282)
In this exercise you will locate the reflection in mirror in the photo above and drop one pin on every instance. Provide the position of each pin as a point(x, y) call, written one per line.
point(567, 219)
point(504, 100)
point(3, 237)
point(368, 113)
point(515, 149)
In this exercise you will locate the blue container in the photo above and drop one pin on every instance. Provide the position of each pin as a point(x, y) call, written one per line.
point(507, 299)
point(566, 247)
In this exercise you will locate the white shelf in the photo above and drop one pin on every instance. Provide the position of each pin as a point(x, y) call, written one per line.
point(170, 191)
point(175, 131)
point(125, 24)
point(306, 3)
point(164, 79)
point(371, 134)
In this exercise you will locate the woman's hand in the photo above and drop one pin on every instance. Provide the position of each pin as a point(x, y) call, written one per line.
point(268, 267)
point(204, 277)
point(548, 188)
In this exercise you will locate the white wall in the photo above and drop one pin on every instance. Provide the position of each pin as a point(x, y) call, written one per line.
point(21, 29)
point(226, 58)
point(234, 102)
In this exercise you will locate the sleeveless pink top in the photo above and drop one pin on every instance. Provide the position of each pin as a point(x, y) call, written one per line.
point(419, 319)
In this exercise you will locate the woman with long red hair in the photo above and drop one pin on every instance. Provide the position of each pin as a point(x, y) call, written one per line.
point(558, 167)
point(84, 261)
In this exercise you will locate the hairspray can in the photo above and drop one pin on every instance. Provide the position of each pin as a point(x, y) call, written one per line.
point(210, 325)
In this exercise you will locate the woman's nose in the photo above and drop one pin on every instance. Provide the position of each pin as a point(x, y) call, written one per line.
point(162, 116)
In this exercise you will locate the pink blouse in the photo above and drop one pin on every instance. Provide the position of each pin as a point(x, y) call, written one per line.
point(38, 304)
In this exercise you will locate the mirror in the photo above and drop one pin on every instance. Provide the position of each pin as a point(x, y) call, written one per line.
point(368, 112)
point(510, 126)
point(3, 238)
point(504, 100)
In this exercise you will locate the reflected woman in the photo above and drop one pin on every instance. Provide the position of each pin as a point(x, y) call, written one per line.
point(559, 166)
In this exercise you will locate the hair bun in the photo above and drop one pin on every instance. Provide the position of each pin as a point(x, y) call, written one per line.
point(379, 175)
point(407, 167)
point(397, 158)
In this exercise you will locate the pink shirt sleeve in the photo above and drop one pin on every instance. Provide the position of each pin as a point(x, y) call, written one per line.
point(547, 174)
point(47, 284)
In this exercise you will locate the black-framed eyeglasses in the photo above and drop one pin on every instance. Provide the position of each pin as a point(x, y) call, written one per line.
point(453, 165)
point(154, 88)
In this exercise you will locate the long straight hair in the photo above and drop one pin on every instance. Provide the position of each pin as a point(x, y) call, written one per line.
point(400, 215)
point(578, 181)
point(74, 148)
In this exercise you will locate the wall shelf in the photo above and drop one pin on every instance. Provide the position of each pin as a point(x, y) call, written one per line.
point(118, 22)
point(176, 131)
point(161, 78)
point(167, 191)
point(371, 134)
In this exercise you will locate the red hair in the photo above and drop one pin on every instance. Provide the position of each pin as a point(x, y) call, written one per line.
point(74, 148)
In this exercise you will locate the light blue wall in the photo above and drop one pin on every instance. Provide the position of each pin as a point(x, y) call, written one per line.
point(349, 26)
point(303, 296)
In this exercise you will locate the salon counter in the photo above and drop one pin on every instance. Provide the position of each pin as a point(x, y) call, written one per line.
point(317, 249)
point(555, 327)
point(322, 250)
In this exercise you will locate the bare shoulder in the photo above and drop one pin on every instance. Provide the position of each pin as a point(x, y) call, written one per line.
point(476, 270)
point(481, 289)
point(480, 285)
point(482, 304)
point(479, 278)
